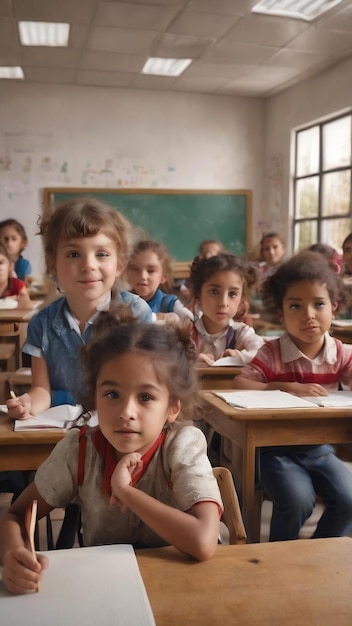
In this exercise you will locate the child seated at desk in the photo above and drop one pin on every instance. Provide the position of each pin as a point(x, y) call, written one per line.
point(13, 237)
point(140, 477)
point(148, 269)
point(219, 287)
point(305, 361)
point(11, 287)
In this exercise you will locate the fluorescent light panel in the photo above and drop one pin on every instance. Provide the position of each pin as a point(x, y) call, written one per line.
point(165, 67)
point(53, 34)
point(11, 72)
point(299, 9)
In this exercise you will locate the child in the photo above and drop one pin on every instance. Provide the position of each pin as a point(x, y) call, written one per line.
point(210, 247)
point(148, 268)
point(333, 257)
point(272, 252)
point(347, 258)
point(305, 361)
point(219, 285)
point(140, 477)
point(13, 237)
point(86, 248)
point(11, 287)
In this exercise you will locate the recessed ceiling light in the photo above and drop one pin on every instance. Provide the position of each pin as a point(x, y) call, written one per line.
point(44, 33)
point(11, 72)
point(297, 9)
point(165, 67)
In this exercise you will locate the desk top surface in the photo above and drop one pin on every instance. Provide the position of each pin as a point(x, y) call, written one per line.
point(18, 315)
point(264, 414)
point(9, 437)
point(291, 582)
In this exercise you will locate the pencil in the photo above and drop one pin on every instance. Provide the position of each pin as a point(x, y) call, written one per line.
point(13, 395)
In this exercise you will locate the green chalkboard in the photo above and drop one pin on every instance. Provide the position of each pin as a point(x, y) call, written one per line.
point(180, 219)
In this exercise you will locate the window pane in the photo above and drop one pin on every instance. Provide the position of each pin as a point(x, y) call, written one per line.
point(306, 233)
point(337, 143)
point(336, 193)
point(333, 232)
point(307, 151)
point(307, 197)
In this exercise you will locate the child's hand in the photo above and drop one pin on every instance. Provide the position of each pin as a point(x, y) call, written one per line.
point(205, 359)
point(22, 571)
point(305, 389)
point(122, 476)
point(230, 352)
point(20, 408)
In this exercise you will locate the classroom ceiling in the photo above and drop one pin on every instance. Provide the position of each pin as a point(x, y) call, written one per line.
point(234, 52)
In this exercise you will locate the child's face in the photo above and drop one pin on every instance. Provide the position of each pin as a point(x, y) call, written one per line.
point(307, 314)
point(219, 300)
point(145, 273)
point(272, 250)
point(132, 404)
point(86, 268)
point(13, 241)
point(5, 269)
point(210, 249)
point(347, 255)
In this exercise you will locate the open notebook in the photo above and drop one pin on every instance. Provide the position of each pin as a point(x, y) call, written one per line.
point(88, 586)
point(233, 361)
point(56, 417)
point(254, 399)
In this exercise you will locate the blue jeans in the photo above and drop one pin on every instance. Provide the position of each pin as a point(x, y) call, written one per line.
point(291, 479)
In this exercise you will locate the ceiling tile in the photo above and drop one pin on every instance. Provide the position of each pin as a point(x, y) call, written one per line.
point(293, 58)
point(228, 7)
point(52, 75)
point(104, 79)
point(239, 52)
point(201, 84)
point(49, 57)
point(133, 16)
point(111, 62)
point(266, 31)
point(80, 11)
point(5, 8)
point(142, 81)
point(313, 41)
point(182, 46)
point(123, 41)
point(202, 69)
point(341, 22)
point(202, 24)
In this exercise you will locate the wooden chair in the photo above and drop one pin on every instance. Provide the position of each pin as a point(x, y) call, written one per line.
point(11, 334)
point(231, 516)
point(7, 351)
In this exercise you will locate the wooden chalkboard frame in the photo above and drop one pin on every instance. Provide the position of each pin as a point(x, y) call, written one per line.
point(49, 199)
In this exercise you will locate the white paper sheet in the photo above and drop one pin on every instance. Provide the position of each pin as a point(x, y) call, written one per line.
point(83, 587)
point(333, 399)
point(255, 399)
point(56, 417)
point(228, 361)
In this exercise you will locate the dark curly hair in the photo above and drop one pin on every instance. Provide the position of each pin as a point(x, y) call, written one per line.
point(202, 269)
point(169, 347)
point(308, 266)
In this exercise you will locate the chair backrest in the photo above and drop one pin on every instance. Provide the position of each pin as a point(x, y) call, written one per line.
point(231, 516)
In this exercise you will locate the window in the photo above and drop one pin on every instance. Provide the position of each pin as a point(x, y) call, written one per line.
point(322, 183)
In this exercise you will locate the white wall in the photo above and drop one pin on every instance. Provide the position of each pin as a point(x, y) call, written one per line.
point(328, 93)
point(101, 137)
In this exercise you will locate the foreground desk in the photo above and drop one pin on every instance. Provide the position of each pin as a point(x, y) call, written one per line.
point(24, 450)
point(303, 582)
point(217, 377)
point(248, 429)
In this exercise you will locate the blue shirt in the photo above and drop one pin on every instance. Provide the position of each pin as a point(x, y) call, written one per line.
point(54, 335)
point(162, 302)
point(22, 268)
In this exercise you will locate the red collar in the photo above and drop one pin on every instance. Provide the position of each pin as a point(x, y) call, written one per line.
point(107, 452)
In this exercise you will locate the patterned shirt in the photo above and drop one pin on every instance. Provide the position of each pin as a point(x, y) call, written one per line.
point(280, 360)
point(179, 475)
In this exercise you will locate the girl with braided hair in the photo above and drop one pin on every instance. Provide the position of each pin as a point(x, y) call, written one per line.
point(142, 476)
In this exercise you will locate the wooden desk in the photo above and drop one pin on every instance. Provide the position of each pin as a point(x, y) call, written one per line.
point(217, 377)
point(248, 429)
point(24, 450)
point(304, 582)
point(344, 333)
point(19, 315)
